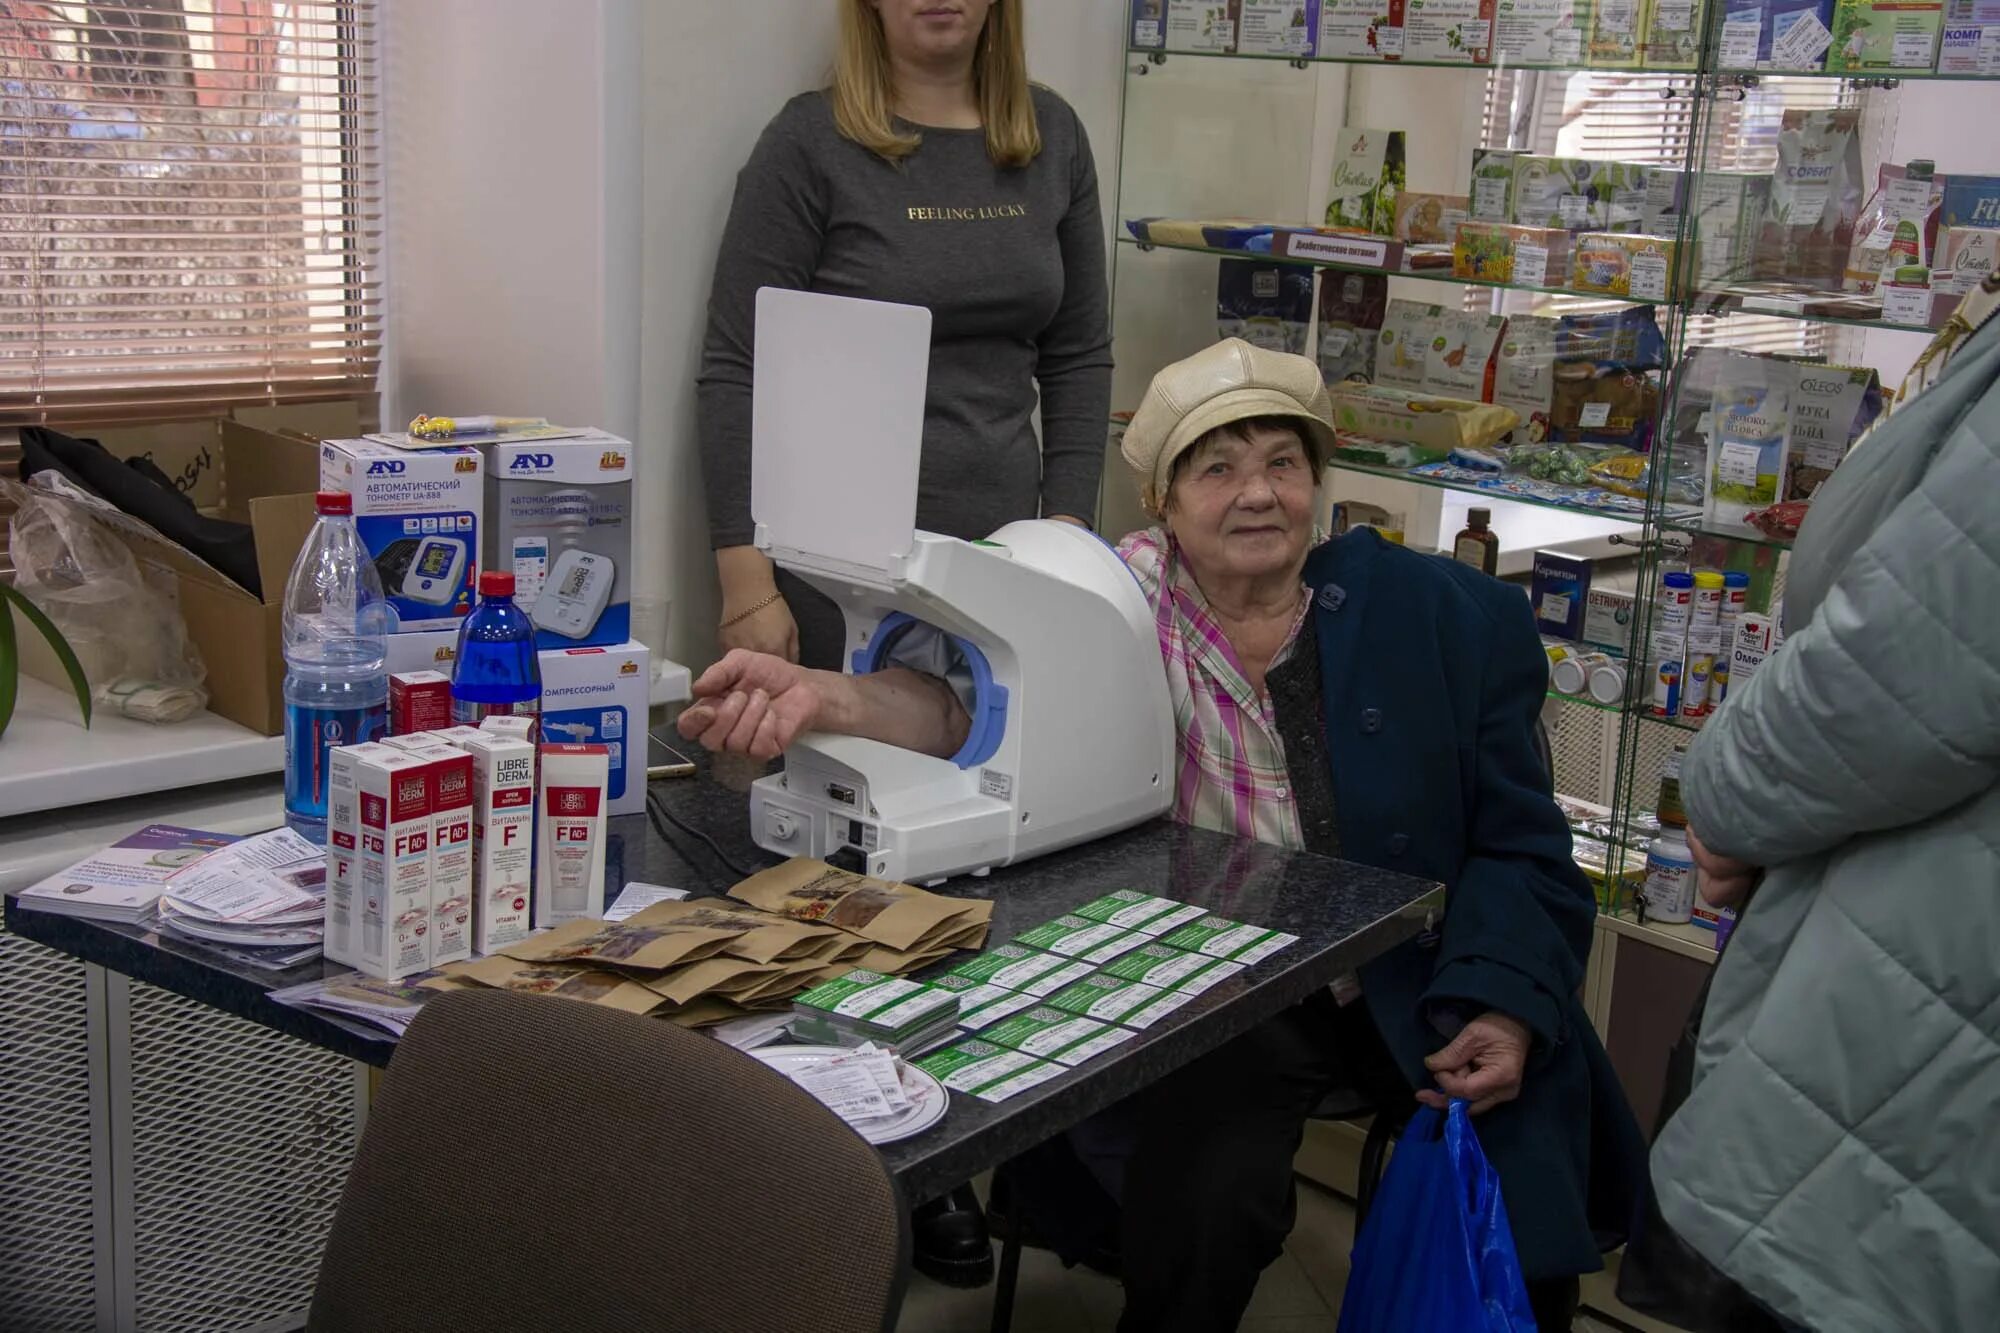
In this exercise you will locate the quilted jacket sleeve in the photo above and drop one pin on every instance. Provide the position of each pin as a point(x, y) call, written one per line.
point(1884, 708)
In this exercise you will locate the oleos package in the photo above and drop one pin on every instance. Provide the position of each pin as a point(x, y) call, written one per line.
point(1831, 408)
point(1540, 32)
point(1673, 34)
point(559, 518)
point(1266, 305)
point(1351, 29)
point(1885, 34)
point(417, 513)
point(1368, 173)
point(1277, 27)
point(1439, 31)
point(1752, 419)
point(1351, 307)
point(1969, 42)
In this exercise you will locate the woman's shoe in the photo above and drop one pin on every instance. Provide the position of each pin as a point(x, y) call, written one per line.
point(948, 1240)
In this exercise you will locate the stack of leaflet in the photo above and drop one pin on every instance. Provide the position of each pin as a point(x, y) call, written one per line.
point(881, 1098)
point(863, 1006)
point(390, 1006)
point(263, 899)
point(123, 882)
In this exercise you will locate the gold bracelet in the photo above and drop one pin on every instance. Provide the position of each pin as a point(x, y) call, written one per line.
point(741, 616)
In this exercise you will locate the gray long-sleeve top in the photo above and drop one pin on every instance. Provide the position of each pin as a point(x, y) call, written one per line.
point(1010, 262)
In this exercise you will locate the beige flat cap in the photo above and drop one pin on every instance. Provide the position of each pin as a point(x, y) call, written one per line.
point(1227, 382)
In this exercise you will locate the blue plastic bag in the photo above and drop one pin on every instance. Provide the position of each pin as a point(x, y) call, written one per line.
point(1436, 1255)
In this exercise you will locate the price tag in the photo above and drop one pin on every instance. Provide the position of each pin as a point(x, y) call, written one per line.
point(1906, 305)
point(1146, 32)
point(1740, 34)
point(1673, 15)
point(1989, 49)
point(1335, 342)
point(1594, 416)
point(1554, 608)
point(1474, 34)
point(1737, 464)
point(1575, 210)
point(1566, 46)
point(1911, 50)
point(1531, 264)
point(1489, 199)
point(1649, 277)
point(1617, 18)
point(1801, 44)
point(1389, 41)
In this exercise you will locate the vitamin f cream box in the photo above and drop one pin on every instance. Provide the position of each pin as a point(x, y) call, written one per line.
point(503, 843)
point(450, 777)
point(343, 852)
point(392, 792)
point(569, 834)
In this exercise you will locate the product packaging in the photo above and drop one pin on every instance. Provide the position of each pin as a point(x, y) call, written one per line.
point(1752, 415)
point(1432, 425)
point(1603, 403)
point(1368, 174)
point(586, 985)
point(757, 936)
point(1048, 1033)
point(1079, 937)
point(1665, 661)
point(1815, 196)
point(1172, 969)
point(1775, 34)
point(1404, 346)
point(1607, 618)
point(503, 844)
point(981, 1003)
point(1965, 259)
point(343, 852)
point(1201, 25)
point(1540, 32)
point(1351, 29)
point(1149, 24)
point(419, 701)
point(1755, 637)
point(1970, 40)
point(1492, 190)
point(1885, 34)
point(598, 696)
point(1218, 937)
point(1504, 252)
point(1429, 219)
point(1143, 912)
point(418, 515)
point(451, 892)
point(1559, 587)
point(1266, 305)
point(1729, 211)
point(898, 916)
point(559, 518)
point(1439, 31)
point(1670, 881)
point(515, 727)
point(1460, 364)
point(1673, 33)
point(569, 834)
point(991, 1073)
point(1277, 28)
point(1106, 998)
point(425, 650)
point(1577, 193)
point(1638, 267)
point(1832, 407)
point(393, 887)
point(1703, 650)
point(1351, 306)
point(1571, 673)
point(1616, 31)
point(1897, 226)
point(1524, 378)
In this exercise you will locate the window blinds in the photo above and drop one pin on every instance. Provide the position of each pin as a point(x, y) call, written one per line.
point(190, 207)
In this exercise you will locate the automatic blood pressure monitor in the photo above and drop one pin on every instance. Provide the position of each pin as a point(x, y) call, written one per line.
point(436, 571)
point(578, 586)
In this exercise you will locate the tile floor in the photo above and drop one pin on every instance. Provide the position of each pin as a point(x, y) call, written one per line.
point(1300, 1293)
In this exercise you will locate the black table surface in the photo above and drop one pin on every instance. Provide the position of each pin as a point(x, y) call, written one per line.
point(1344, 915)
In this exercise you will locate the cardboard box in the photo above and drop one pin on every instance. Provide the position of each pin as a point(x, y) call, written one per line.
point(1492, 191)
point(1439, 31)
point(418, 515)
point(559, 517)
point(1560, 588)
point(1506, 253)
point(1639, 267)
point(1148, 28)
point(1617, 29)
point(424, 650)
point(503, 843)
point(1277, 28)
point(419, 701)
point(1201, 25)
point(393, 933)
point(1350, 29)
point(1885, 34)
point(449, 774)
point(599, 696)
point(1540, 32)
point(1970, 41)
point(1757, 34)
point(1607, 618)
point(343, 852)
point(569, 834)
point(1673, 33)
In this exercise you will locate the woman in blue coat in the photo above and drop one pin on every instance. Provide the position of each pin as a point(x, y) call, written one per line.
point(1355, 699)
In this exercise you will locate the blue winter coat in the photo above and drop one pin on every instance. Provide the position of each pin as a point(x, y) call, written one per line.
point(1432, 680)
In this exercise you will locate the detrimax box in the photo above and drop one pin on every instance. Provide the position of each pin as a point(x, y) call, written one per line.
point(418, 515)
point(598, 696)
point(559, 517)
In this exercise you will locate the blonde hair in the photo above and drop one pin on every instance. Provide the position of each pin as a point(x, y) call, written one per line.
point(864, 96)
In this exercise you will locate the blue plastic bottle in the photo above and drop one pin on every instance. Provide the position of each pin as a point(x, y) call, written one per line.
point(497, 670)
point(336, 670)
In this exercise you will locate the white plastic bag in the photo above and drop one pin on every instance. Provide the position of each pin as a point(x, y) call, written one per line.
point(122, 620)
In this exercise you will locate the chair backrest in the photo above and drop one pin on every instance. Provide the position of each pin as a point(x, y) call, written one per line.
point(541, 1164)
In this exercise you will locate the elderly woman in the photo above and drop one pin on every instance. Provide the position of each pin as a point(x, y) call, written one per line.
point(1355, 699)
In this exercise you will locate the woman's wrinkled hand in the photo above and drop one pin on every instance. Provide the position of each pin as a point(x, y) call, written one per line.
point(1483, 1064)
point(1725, 881)
point(754, 704)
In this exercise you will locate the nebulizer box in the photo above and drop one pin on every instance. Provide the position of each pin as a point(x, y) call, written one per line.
point(559, 516)
point(599, 696)
point(418, 515)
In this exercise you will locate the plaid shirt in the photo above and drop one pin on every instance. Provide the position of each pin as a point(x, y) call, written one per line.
point(1231, 776)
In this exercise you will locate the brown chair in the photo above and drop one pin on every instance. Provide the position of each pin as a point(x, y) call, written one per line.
point(548, 1166)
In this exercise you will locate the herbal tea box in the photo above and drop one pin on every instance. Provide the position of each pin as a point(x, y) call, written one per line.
point(1201, 25)
point(1970, 40)
point(1351, 29)
point(1439, 31)
point(1673, 33)
point(1368, 172)
point(1885, 34)
point(1540, 32)
point(1277, 28)
point(1615, 34)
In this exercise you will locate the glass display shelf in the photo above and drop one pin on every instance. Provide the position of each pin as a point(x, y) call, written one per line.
point(1720, 305)
point(1634, 516)
point(1868, 77)
point(1696, 527)
point(1376, 62)
point(1422, 275)
point(1633, 707)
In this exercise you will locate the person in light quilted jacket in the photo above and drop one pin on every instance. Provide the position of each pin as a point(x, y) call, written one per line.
point(1840, 1155)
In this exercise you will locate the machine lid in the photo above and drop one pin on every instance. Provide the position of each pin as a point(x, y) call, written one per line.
point(837, 428)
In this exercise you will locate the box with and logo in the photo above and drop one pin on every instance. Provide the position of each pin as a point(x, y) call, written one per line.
point(418, 515)
point(559, 517)
point(598, 696)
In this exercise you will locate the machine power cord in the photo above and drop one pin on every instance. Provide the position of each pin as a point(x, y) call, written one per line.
point(657, 811)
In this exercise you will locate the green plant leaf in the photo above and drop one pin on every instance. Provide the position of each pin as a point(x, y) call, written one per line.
point(10, 667)
point(64, 654)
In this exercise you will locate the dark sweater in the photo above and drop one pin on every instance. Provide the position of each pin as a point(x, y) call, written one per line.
point(1010, 262)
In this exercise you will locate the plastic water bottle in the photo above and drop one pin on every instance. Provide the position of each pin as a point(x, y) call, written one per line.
point(336, 673)
point(497, 670)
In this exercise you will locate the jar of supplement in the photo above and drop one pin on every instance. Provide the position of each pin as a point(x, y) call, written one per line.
point(1668, 895)
point(1665, 665)
point(1572, 674)
point(1707, 598)
point(1735, 595)
point(1669, 810)
point(1704, 645)
point(1670, 615)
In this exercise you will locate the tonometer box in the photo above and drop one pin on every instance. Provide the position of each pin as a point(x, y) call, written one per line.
point(559, 518)
point(598, 696)
point(418, 515)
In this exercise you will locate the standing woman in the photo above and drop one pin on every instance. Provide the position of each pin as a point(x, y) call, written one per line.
point(930, 173)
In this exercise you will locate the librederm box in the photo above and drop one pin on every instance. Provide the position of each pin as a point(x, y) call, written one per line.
point(418, 514)
point(559, 516)
point(598, 696)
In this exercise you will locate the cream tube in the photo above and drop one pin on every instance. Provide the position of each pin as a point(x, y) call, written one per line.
point(569, 842)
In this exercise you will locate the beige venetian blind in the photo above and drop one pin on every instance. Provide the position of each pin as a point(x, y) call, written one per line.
point(190, 207)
